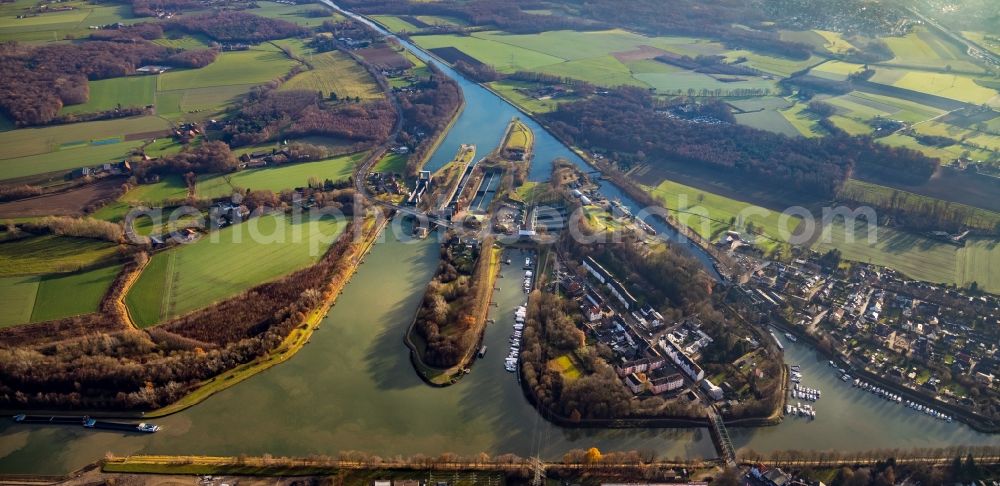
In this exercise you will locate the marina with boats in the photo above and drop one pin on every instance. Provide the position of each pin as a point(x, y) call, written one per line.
point(801, 392)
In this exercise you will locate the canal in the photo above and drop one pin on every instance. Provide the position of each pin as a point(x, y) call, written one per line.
point(353, 388)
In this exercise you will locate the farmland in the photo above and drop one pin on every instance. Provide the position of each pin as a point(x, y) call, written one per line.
point(335, 72)
point(169, 188)
point(710, 214)
point(599, 57)
point(868, 193)
point(277, 178)
point(34, 141)
point(61, 296)
point(56, 26)
point(924, 49)
point(72, 202)
point(51, 254)
point(107, 94)
point(298, 14)
point(255, 66)
point(211, 88)
point(33, 151)
point(953, 86)
point(196, 275)
point(916, 256)
point(35, 298)
point(17, 299)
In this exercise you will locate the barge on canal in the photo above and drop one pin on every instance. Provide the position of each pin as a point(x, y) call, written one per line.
point(88, 422)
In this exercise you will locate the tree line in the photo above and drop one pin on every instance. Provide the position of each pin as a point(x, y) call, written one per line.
point(626, 124)
point(237, 26)
point(427, 110)
point(268, 114)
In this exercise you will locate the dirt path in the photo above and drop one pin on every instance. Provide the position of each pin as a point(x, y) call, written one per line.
point(120, 307)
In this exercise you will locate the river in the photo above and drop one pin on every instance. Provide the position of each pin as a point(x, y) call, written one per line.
point(353, 387)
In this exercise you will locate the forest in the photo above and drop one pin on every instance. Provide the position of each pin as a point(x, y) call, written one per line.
point(447, 317)
point(427, 110)
point(627, 125)
point(267, 114)
point(235, 26)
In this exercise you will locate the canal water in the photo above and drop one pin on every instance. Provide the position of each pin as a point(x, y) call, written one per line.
point(484, 121)
point(353, 388)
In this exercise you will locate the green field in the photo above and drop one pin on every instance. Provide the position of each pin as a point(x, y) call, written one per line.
point(395, 24)
point(256, 66)
point(33, 141)
point(835, 42)
point(979, 261)
point(65, 160)
point(335, 72)
point(298, 14)
point(170, 188)
point(956, 87)
point(918, 257)
point(107, 94)
point(520, 137)
point(17, 299)
point(198, 94)
point(922, 48)
point(865, 106)
point(710, 214)
point(184, 41)
point(42, 298)
point(592, 56)
point(511, 90)
point(806, 123)
point(836, 70)
point(195, 275)
point(69, 295)
point(286, 176)
point(32, 151)
point(393, 163)
point(57, 26)
point(51, 254)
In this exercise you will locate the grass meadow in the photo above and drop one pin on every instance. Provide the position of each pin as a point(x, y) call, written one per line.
point(196, 275)
point(285, 176)
point(335, 72)
point(709, 214)
point(52, 254)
